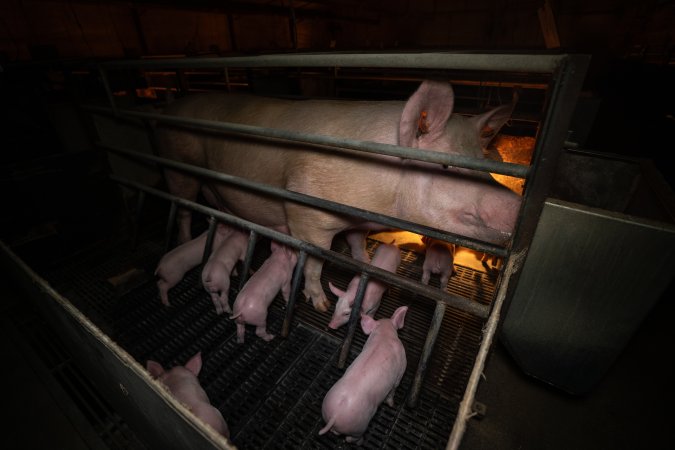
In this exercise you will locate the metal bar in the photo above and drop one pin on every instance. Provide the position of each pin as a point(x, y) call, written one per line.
point(353, 321)
point(465, 407)
point(292, 25)
point(208, 247)
point(429, 344)
point(252, 240)
point(317, 202)
point(295, 291)
point(486, 165)
point(169, 226)
point(567, 83)
point(461, 303)
point(411, 60)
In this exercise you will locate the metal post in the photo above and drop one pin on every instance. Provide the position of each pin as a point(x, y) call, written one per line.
point(252, 240)
point(169, 226)
point(292, 26)
point(353, 320)
point(295, 290)
point(435, 327)
point(208, 247)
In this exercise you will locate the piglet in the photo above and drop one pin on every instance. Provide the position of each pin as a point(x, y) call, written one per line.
point(438, 259)
point(184, 385)
point(176, 263)
point(373, 377)
point(387, 257)
point(250, 306)
point(217, 270)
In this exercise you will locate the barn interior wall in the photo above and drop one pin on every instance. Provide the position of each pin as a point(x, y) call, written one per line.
point(109, 29)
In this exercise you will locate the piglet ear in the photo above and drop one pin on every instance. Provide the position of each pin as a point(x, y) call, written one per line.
point(489, 123)
point(426, 112)
point(155, 368)
point(194, 364)
point(368, 324)
point(336, 290)
point(398, 317)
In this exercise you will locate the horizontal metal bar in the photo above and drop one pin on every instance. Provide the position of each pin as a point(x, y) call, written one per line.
point(432, 293)
point(514, 170)
point(315, 202)
point(421, 60)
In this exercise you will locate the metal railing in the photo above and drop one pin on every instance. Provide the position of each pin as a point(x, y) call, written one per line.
point(567, 72)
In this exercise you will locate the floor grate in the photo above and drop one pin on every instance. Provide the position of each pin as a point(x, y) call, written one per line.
point(271, 392)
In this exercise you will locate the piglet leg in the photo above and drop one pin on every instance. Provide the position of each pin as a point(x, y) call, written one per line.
point(261, 331)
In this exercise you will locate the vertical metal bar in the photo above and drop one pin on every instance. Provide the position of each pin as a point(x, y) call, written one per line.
point(208, 246)
point(568, 82)
point(169, 226)
point(138, 27)
point(295, 290)
point(252, 240)
point(432, 334)
point(106, 86)
point(183, 85)
point(233, 34)
point(292, 26)
point(353, 321)
point(227, 80)
point(513, 265)
point(137, 219)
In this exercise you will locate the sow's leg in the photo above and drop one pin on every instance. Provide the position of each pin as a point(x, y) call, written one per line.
point(187, 187)
point(183, 147)
point(318, 228)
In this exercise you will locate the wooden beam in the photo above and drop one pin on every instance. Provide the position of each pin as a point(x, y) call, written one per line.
point(548, 27)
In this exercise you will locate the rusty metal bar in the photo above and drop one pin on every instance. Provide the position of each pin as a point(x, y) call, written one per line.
point(295, 291)
point(243, 276)
point(353, 321)
point(429, 344)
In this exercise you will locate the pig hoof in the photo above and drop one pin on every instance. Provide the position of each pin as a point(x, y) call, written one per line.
point(322, 305)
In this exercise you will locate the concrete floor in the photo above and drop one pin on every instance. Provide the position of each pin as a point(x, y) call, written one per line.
point(630, 409)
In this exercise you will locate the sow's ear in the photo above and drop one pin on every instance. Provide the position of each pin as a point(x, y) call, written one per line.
point(194, 364)
point(398, 317)
point(489, 123)
point(426, 111)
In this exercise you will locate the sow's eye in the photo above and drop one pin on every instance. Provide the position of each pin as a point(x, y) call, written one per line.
point(347, 313)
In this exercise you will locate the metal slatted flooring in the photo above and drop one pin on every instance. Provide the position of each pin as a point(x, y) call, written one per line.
point(271, 392)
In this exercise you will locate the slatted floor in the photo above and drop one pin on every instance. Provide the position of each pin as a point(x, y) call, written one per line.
point(271, 392)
